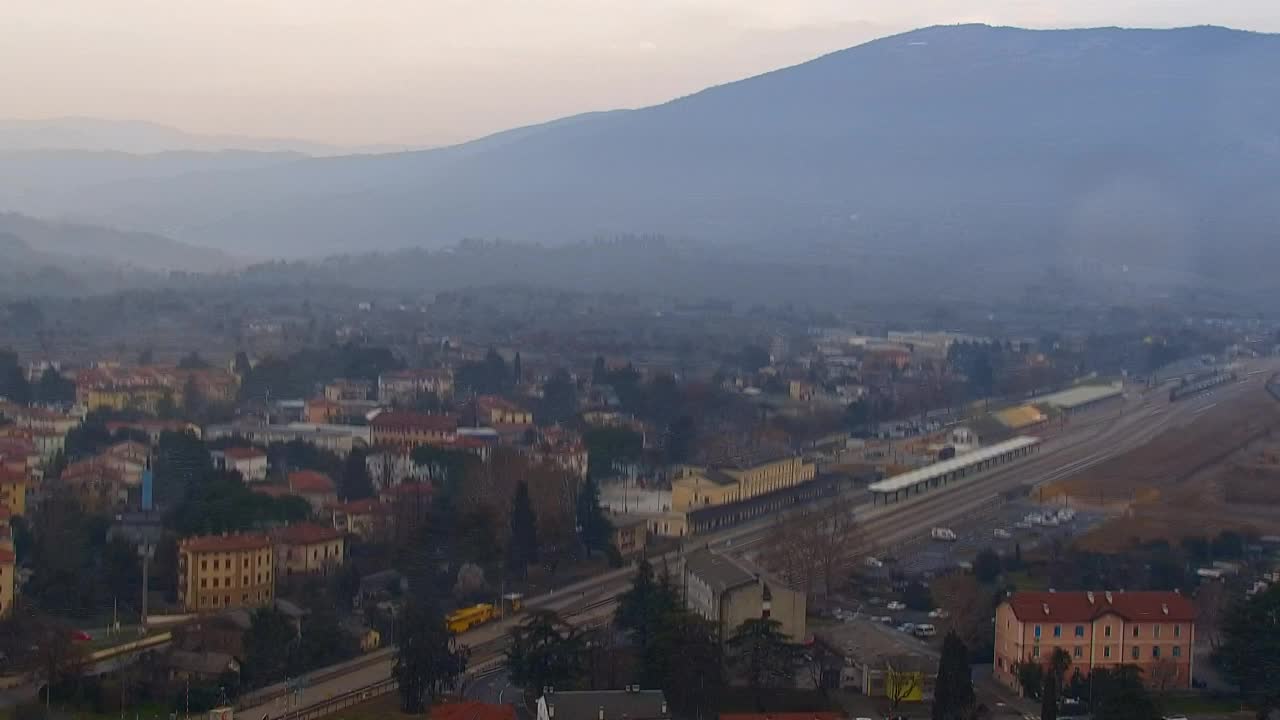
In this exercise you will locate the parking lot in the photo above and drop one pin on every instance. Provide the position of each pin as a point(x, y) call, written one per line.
point(925, 557)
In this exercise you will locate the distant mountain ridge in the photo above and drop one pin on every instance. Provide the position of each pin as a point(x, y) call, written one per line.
point(85, 247)
point(142, 137)
point(971, 146)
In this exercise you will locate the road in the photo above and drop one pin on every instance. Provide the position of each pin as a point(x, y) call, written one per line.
point(1085, 441)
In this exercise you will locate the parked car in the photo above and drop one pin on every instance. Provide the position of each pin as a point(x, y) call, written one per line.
point(1001, 534)
point(939, 614)
point(907, 628)
point(924, 630)
point(896, 605)
point(874, 562)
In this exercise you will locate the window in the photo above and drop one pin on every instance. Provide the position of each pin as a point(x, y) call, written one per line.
point(1057, 631)
point(1155, 651)
point(1106, 651)
point(1134, 653)
point(1037, 632)
point(204, 583)
point(246, 580)
point(204, 565)
point(1135, 631)
point(215, 582)
point(1155, 632)
point(1078, 652)
point(244, 598)
point(226, 600)
point(1177, 631)
point(1177, 651)
point(246, 562)
point(1080, 631)
point(1106, 631)
point(1035, 651)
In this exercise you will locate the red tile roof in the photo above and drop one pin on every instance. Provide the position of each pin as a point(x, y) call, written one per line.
point(1076, 606)
point(368, 506)
point(275, 491)
point(472, 710)
point(10, 476)
point(242, 453)
point(225, 543)
point(310, 481)
point(306, 534)
point(414, 421)
point(783, 716)
point(7, 557)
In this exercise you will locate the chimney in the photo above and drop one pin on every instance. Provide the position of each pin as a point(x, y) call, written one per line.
point(1090, 595)
point(601, 715)
point(1109, 600)
point(1046, 608)
point(664, 708)
point(1164, 608)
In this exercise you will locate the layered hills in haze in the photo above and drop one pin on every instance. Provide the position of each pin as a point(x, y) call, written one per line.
point(1154, 153)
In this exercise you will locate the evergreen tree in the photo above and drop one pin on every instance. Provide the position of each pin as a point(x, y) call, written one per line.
point(593, 526)
point(686, 661)
point(642, 608)
point(1051, 695)
point(356, 483)
point(517, 369)
point(599, 371)
point(763, 656)
point(429, 660)
point(544, 651)
point(953, 697)
point(53, 388)
point(1250, 651)
point(13, 381)
point(267, 645)
point(522, 547)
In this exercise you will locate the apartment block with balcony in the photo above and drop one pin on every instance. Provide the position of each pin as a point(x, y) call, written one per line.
point(1154, 631)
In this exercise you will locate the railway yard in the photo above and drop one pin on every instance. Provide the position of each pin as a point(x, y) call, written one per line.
point(1077, 462)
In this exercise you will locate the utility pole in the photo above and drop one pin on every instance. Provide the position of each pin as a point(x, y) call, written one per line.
point(146, 551)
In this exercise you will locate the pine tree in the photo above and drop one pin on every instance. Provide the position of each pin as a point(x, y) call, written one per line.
point(429, 660)
point(522, 547)
point(953, 694)
point(593, 526)
point(517, 369)
point(763, 655)
point(356, 483)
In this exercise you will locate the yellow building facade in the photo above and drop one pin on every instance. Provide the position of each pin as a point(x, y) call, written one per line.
point(217, 572)
point(697, 487)
point(8, 573)
point(13, 492)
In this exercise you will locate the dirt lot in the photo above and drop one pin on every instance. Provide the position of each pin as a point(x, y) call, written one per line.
point(1193, 481)
point(1174, 456)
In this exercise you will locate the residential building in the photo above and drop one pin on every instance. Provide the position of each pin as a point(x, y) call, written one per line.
point(737, 479)
point(404, 429)
point(127, 458)
point(725, 592)
point(200, 666)
point(314, 487)
point(250, 462)
point(322, 411)
point(216, 572)
point(630, 534)
point(154, 428)
point(495, 410)
point(629, 704)
point(403, 387)
point(1152, 630)
point(308, 549)
point(97, 487)
point(344, 391)
point(331, 438)
point(145, 398)
point(13, 491)
point(367, 519)
point(8, 579)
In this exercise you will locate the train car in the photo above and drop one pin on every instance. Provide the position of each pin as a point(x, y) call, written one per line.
point(462, 620)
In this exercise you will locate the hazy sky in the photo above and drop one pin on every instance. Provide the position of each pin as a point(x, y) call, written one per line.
point(434, 71)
